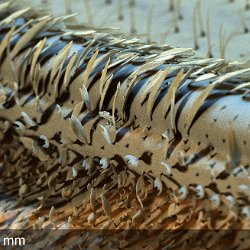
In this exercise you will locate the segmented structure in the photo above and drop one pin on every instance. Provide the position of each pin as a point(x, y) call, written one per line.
point(111, 133)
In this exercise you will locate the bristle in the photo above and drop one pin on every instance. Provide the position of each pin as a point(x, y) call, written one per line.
point(101, 131)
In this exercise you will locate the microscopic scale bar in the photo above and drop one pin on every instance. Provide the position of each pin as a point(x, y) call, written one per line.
point(94, 117)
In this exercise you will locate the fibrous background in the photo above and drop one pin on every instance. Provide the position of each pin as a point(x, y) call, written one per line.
point(101, 131)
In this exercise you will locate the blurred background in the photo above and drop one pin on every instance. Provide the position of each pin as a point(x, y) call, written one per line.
point(215, 28)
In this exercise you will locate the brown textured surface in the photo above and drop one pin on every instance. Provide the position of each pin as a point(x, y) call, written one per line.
point(164, 218)
point(143, 145)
